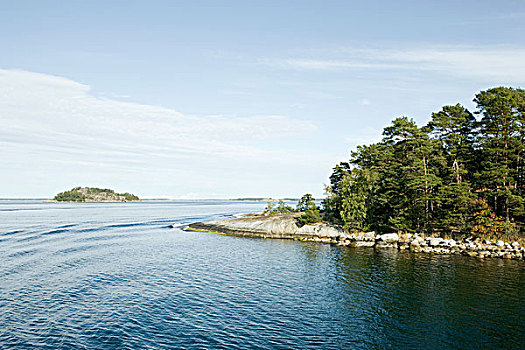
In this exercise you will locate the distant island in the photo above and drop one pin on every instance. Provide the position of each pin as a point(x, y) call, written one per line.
point(263, 199)
point(93, 194)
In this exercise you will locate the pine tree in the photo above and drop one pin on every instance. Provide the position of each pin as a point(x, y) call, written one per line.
point(416, 179)
point(333, 200)
point(355, 193)
point(501, 138)
point(453, 131)
point(455, 175)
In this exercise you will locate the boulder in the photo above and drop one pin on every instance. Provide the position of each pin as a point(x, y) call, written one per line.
point(388, 238)
point(415, 243)
point(434, 241)
point(365, 244)
point(450, 242)
point(370, 234)
point(320, 230)
point(384, 244)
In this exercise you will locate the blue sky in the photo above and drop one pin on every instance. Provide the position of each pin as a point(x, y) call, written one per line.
point(217, 99)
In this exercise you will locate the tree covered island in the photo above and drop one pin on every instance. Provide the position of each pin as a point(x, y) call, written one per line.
point(461, 174)
point(453, 186)
point(93, 194)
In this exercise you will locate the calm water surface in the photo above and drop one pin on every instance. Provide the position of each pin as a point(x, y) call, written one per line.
point(103, 276)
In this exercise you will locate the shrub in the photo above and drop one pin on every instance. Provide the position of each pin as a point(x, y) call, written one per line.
point(281, 208)
point(310, 216)
point(311, 211)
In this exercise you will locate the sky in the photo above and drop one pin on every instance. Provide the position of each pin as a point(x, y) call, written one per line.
point(228, 99)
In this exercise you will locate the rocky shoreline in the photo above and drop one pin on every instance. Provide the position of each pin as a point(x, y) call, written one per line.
point(285, 227)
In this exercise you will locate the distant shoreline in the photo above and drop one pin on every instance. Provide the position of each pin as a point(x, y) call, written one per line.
point(261, 200)
point(89, 201)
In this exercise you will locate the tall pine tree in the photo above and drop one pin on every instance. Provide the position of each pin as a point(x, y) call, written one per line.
point(453, 130)
point(501, 139)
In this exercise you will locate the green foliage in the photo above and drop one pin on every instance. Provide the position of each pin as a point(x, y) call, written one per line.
point(281, 208)
point(310, 210)
point(270, 209)
point(355, 189)
point(80, 194)
point(433, 178)
point(502, 136)
point(332, 203)
point(487, 224)
point(94, 190)
point(310, 216)
point(130, 197)
point(307, 201)
point(70, 196)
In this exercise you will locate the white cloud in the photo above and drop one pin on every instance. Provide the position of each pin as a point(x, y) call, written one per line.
point(51, 111)
point(330, 64)
point(55, 123)
point(494, 62)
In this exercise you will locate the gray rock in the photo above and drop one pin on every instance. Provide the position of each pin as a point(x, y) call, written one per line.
point(321, 230)
point(365, 244)
point(434, 241)
point(416, 243)
point(388, 237)
point(450, 242)
point(384, 244)
point(500, 244)
point(370, 234)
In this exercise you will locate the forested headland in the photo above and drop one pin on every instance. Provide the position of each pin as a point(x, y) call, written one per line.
point(460, 174)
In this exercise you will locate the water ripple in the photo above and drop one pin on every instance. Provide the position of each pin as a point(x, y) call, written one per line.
point(110, 276)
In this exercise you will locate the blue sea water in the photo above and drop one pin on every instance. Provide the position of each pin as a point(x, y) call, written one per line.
point(116, 276)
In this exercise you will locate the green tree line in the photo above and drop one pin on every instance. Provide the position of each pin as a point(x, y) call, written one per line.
point(75, 194)
point(460, 174)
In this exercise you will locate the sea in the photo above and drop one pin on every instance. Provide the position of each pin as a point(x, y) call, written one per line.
point(127, 276)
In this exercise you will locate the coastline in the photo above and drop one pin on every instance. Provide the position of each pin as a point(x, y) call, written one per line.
point(285, 227)
point(89, 201)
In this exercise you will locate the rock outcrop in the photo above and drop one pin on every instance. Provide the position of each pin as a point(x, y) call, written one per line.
point(285, 226)
point(273, 226)
point(277, 226)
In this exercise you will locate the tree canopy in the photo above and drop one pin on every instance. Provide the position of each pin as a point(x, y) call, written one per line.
point(459, 174)
point(93, 194)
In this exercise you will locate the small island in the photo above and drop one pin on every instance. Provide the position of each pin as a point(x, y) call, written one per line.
point(94, 195)
point(453, 186)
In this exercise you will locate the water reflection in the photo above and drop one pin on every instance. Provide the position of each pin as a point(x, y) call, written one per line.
point(99, 276)
point(432, 301)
